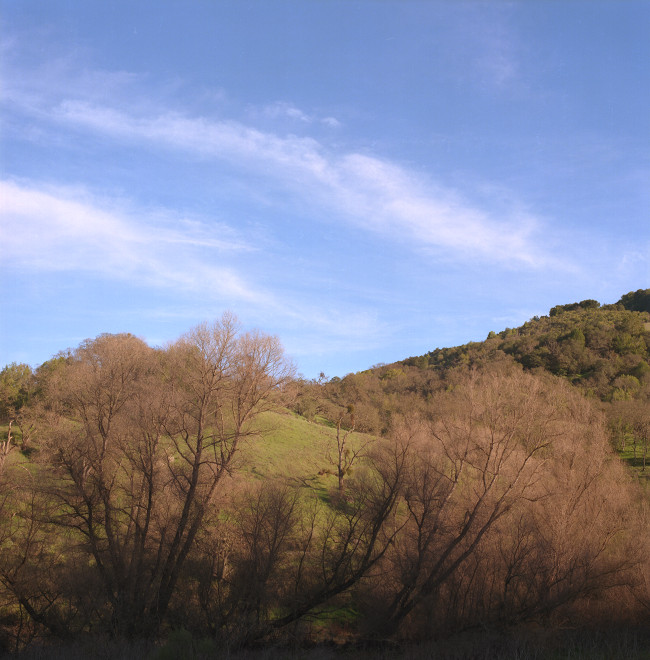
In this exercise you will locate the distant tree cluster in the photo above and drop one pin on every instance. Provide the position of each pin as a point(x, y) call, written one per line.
point(637, 301)
point(585, 304)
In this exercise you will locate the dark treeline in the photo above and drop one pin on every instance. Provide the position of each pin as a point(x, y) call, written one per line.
point(476, 495)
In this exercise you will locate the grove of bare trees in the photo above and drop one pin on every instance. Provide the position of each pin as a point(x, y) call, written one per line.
point(512, 507)
point(490, 499)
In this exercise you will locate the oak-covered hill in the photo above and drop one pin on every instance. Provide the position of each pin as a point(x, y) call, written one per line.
point(603, 350)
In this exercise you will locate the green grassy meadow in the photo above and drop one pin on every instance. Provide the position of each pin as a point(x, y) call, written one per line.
point(289, 447)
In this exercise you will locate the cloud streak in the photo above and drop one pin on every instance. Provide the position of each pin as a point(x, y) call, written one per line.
point(372, 193)
point(48, 229)
point(54, 229)
point(369, 192)
point(283, 109)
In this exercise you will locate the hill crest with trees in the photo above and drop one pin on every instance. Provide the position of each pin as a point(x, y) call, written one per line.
point(603, 350)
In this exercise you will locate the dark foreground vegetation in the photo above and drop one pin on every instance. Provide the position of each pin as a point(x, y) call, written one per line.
point(471, 503)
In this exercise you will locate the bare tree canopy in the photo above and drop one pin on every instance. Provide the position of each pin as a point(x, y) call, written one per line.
point(137, 444)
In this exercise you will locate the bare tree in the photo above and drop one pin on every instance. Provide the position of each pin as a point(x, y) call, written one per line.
point(245, 561)
point(339, 546)
point(345, 453)
point(36, 574)
point(142, 440)
point(482, 456)
point(583, 538)
point(284, 558)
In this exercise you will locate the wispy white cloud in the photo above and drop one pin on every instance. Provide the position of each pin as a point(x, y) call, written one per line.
point(368, 191)
point(54, 229)
point(371, 192)
point(282, 109)
point(396, 202)
point(50, 229)
point(332, 122)
point(497, 63)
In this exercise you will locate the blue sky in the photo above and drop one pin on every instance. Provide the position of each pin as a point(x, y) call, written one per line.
point(366, 180)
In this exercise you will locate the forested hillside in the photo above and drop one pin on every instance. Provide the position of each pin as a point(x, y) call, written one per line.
point(603, 350)
point(203, 487)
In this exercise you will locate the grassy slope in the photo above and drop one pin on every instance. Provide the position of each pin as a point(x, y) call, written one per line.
point(288, 446)
point(291, 447)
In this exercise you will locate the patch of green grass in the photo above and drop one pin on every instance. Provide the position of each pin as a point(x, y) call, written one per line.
point(636, 464)
point(291, 447)
point(288, 447)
